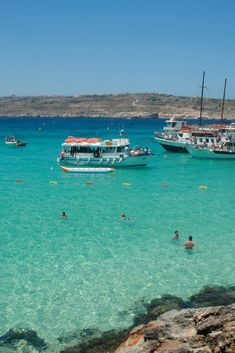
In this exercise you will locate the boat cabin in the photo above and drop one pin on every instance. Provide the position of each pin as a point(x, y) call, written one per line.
point(174, 125)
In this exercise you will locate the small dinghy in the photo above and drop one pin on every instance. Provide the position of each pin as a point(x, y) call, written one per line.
point(10, 140)
point(20, 144)
point(87, 170)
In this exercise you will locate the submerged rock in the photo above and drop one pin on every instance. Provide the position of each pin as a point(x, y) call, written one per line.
point(14, 336)
point(165, 303)
point(200, 325)
point(106, 343)
point(172, 334)
point(213, 296)
point(79, 335)
point(157, 307)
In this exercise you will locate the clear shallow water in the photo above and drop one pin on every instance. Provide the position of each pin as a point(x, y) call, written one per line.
point(59, 276)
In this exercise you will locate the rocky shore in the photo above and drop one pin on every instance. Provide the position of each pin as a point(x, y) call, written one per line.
point(207, 330)
point(142, 105)
point(205, 323)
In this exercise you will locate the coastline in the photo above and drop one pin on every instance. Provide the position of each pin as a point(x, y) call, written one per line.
point(192, 118)
point(146, 321)
point(124, 105)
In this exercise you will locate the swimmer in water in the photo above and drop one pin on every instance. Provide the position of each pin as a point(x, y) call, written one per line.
point(190, 243)
point(123, 216)
point(64, 215)
point(176, 236)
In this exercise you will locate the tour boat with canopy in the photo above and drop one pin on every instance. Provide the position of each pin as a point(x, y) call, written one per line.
point(103, 153)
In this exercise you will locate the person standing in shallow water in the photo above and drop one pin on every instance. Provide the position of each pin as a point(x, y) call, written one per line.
point(176, 236)
point(189, 244)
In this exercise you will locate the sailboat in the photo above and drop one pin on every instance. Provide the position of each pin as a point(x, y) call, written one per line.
point(224, 147)
point(178, 135)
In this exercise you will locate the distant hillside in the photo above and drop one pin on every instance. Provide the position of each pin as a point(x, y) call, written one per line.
point(119, 105)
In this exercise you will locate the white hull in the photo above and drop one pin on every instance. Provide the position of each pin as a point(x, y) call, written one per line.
point(171, 145)
point(210, 154)
point(15, 143)
point(10, 144)
point(117, 162)
point(87, 170)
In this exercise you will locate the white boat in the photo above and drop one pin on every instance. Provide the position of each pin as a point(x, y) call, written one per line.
point(189, 135)
point(95, 152)
point(10, 140)
point(177, 135)
point(224, 149)
point(87, 170)
point(172, 125)
point(169, 137)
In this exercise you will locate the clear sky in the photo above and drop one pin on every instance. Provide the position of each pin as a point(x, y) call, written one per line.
point(72, 47)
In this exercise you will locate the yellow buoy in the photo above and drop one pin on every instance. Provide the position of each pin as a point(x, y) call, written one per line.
point(126, 184)
point(203, 187)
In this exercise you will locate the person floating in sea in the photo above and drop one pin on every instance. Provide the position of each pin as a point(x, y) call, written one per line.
point(64, 215)
point(189, 244)
point(176, 236)
point(123, 216)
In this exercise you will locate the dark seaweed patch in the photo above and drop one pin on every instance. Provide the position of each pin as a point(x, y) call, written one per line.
point(30, 336)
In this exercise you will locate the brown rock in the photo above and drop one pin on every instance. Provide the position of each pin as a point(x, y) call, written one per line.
point(210, 330)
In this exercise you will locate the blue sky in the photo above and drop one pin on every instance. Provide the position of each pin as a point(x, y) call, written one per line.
point(72, 47)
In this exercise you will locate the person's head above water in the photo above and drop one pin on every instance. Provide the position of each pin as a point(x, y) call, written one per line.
point(190, 238)
point(123, 216)
point(176, 236)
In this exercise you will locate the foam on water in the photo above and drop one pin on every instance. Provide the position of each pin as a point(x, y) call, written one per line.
point(59, 276)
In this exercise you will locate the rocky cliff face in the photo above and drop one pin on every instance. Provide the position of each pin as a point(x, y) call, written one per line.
point(207, 330)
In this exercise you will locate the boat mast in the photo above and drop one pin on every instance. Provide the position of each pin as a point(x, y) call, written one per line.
point(222, 111)
point(202, 91)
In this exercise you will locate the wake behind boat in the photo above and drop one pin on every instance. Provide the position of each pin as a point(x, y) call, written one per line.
point(96, 152)
point(87, 170)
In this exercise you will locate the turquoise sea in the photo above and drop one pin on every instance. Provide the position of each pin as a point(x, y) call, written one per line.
point(59, 276)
